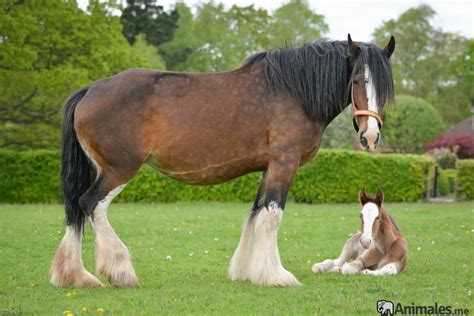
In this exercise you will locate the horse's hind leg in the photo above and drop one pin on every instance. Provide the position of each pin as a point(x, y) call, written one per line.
point(349, 251)
point(67, 268)
point(112, 256)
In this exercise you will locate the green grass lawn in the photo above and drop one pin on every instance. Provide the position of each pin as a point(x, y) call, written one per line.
point(201, 237)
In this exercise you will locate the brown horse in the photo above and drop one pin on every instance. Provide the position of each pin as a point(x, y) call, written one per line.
point(380, 249)
point(207, 128)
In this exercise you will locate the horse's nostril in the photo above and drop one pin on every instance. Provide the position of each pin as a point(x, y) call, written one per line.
point(363, 141)
point(377, 139)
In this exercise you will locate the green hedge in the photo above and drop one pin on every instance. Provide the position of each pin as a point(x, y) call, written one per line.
point(465, 178)
point(446, 181)
point(334, 176)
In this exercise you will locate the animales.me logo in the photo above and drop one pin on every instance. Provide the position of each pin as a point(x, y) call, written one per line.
point(385, 307)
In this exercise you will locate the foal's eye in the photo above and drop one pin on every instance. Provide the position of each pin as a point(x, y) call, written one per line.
point(377, 218)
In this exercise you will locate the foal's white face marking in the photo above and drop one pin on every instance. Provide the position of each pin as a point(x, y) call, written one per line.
point(372, 125)
point(369, 212)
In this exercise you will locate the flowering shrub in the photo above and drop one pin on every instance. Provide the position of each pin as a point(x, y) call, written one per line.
point(462, 145)
point(444, 156)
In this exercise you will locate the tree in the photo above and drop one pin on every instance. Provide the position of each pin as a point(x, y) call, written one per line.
point(410, 124)
point(214, 38)
point(340, 133)
point(295, 23)
point(47, 52)
point(426, 60)
point(149, 18)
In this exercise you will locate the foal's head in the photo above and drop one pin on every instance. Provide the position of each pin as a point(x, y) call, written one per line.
point(371, 216)
point(371, 86)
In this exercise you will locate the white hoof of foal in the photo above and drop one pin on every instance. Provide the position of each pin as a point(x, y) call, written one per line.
point(322, 267)
point(349, 269)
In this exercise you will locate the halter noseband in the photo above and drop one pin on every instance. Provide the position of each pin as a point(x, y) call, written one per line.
point(356, 112)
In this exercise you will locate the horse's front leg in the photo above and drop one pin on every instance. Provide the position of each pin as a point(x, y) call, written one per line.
point(367, 258)
point(388, 269)
point(349, 251)
point(257, 258)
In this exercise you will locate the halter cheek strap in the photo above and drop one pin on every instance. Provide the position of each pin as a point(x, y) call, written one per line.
point(356, 112)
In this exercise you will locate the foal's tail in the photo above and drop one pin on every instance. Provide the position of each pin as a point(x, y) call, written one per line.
point(75, 166)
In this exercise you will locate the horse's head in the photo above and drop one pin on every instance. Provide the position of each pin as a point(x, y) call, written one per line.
point(370, 216)
point(371, 86)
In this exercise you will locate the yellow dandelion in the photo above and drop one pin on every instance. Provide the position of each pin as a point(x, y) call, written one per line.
point(68, 313)
point(72, 294)
point(100, 310)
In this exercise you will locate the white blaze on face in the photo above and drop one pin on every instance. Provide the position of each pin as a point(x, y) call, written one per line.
point(372, 125)
point(369, 212)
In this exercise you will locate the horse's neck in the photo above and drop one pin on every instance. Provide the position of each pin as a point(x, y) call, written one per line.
point(387, 231)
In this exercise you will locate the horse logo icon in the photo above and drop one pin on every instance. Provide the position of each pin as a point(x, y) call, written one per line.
point(385, 307)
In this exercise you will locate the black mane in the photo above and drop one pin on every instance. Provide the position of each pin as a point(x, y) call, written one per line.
point(318, 75)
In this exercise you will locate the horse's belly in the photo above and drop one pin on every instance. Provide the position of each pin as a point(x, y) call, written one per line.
point(213, 172)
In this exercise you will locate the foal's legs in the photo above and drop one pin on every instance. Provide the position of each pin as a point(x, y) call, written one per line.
point(349, 251)
point(112, 256)
point(257, 258)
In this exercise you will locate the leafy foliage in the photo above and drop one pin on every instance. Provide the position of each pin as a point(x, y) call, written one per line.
point(216, 39)
point(49, 49)
point(295, 23)
point(465, 178)
point(462, 145)
point(430, 63)
point(149, 18)
point(334, 176)
point(410, 124)
point(340, 133)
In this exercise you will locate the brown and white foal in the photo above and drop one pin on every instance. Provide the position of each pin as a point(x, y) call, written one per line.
point(380, 249)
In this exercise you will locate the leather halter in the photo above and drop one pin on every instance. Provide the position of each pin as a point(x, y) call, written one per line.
point(356, 112)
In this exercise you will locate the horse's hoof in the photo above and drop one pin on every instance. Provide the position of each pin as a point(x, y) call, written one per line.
point(121, 276)
point(77, 279)
point(282, 277)
point(317, 268)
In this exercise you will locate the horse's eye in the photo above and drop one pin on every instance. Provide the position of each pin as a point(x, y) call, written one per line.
point(366, 81)
point(377, 218)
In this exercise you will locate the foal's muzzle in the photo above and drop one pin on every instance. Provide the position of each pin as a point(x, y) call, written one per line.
point(365, 242)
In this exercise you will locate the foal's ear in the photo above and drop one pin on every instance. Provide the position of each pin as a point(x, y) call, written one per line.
point(363, 197)
point(379, 197)
point(354, 49)
point(388, 50)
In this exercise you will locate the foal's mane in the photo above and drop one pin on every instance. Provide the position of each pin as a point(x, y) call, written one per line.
point(318, 74)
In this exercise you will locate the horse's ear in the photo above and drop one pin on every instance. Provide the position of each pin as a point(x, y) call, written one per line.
point(388, 50)
point(363, 197)
point(354, 49)
point(379, 197)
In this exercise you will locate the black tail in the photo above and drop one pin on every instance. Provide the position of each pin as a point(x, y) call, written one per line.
point(75, 166)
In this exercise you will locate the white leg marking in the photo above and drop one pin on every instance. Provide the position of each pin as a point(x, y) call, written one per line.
point(332, 266)
point(389, 269)
point(262, 266)
point(239, 264)
point(325, 266)
point(350, 268)
point(67, 268)
point(112, 256)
